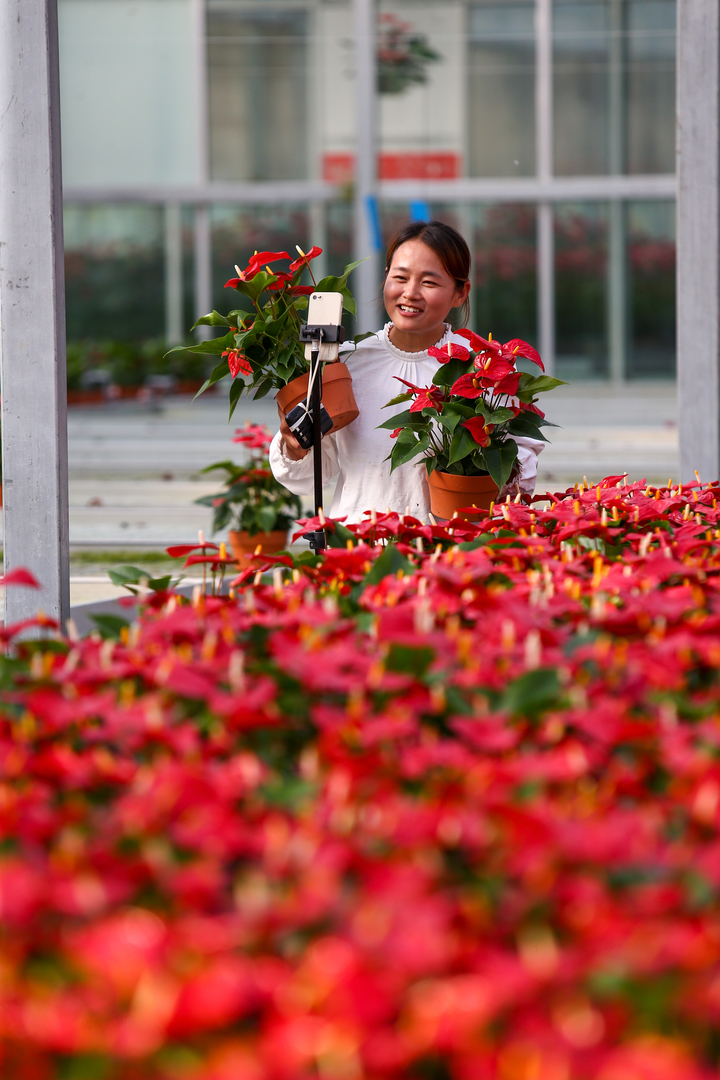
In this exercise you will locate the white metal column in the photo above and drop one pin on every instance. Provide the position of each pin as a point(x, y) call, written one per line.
point(617, 276)
point(32, 309)
point(366, 276)
point(174, 329)
point(698, 251)
point(544, 170)
point(203, 229)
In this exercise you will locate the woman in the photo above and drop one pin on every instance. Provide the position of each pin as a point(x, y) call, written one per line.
point(427, 274)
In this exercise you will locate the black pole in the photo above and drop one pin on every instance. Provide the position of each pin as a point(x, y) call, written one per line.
point(317, 538)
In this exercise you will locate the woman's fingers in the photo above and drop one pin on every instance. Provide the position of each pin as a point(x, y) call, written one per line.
point(293, 449)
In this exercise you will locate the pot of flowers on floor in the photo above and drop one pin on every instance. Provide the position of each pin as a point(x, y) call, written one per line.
point(261, 350)
point(257, 508)
point(463, 425)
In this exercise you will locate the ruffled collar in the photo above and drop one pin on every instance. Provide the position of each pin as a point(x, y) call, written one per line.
point(412, 357)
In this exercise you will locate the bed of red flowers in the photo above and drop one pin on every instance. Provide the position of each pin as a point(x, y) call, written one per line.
point(441, 804)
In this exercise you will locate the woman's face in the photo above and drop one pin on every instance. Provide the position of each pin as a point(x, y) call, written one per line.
point(419, 293)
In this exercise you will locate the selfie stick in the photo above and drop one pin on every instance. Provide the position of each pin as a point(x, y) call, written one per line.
point(315, 335)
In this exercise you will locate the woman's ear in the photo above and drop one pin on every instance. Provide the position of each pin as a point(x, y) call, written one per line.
point(462, 294)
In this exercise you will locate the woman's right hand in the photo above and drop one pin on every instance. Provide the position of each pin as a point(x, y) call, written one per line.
point(293, 449)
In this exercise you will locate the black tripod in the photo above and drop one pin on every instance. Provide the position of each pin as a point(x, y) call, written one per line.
point(316, 335)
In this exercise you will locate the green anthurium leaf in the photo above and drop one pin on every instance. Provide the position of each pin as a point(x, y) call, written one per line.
point(254, 288)
point(403, 419)
point(235, 392)
point(462, 445)
point(449, 373)
point(122, 575)
point(500, 416)
point(263, 388)
point(397, 400)
point(537, 384)
point(407, 447)
point(217, 374)
point(215, 319)
point(213, 346)
point(499, 460)
point(266, 518)
point(389, 562)
point(532, 693)
point(521, 426)
point(110, 626)
point(362, 337)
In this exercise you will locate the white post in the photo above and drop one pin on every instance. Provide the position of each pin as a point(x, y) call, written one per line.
point(174, 330)
point(32, 309)
point(203, 268)
point(617, 276)
point(698, 252)
point(366, 276)
point(544, 170)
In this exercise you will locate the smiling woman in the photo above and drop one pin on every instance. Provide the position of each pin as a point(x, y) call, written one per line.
point(427, 275)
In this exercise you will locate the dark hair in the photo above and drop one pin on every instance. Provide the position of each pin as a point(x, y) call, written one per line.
point(448, 245)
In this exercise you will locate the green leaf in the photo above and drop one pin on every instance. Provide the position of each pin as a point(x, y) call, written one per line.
point(532, 693)
point(404, 419)
point(110, 626)
point(523, 426)
point(235, 393)
point(407, 447)
point(389, 562)
point(536, 384)
point(214, 319)
point(409, 660)
point(266, 518)
point(499, 460)
point(500, 416)
point(218, 373)
point(362, 337)
point(214, 346)
point(462, 445)
point(407, 396)
point(449, 373)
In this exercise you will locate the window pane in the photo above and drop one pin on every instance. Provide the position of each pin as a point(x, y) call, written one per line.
point(504, 298)
point(581, 290)
point(581, 88)
point(651, 86)
point(257, 62)
point(651, 257)
point(501, 88)
point(114, 272)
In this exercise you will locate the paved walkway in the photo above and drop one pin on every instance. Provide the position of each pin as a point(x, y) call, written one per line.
point(134, 473)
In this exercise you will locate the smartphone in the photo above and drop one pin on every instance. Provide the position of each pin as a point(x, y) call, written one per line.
point(325, 309)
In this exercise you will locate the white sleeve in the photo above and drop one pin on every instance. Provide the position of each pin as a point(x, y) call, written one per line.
point(297, 476)
point(529, 451)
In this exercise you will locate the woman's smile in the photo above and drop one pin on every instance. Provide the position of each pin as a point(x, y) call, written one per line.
point(418, 295)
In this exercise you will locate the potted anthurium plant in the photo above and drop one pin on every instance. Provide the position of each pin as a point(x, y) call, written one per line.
point(258, 508)
point(464, 423)
point(261, 350)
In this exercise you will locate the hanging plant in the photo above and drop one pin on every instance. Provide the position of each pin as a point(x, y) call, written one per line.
point(403, 56)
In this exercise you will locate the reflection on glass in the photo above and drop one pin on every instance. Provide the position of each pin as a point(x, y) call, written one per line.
point(581, 290)
point(651, 258)
point(114, 272)
point(257, 69)
point(614, 86)
point(501, 88)
point(651, 87)
point(505, 272)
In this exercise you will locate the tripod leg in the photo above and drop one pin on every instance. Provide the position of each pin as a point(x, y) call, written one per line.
point(317, 541)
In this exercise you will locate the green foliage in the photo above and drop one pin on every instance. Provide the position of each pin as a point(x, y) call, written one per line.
point(129, 363)
point(251, 500)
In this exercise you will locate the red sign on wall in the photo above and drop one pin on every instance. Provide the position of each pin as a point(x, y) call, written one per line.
point(411, 165)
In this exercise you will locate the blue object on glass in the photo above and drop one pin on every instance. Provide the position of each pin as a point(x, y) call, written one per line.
point(374, 216)
point(419, 210)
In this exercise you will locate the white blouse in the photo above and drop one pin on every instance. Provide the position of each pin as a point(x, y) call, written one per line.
point(356, 454)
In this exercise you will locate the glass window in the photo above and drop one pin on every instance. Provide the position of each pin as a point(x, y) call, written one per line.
point(504, 251)
point(614, 86)
point(581, 86)
point(257, 70)
point(581, 290)
point(501, 89)
point(651, 87)
point(651, 259)
point(114, 272)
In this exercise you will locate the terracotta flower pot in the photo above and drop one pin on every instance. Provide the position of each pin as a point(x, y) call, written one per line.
point(449, 493)
point(337, 397)
point(243, 544)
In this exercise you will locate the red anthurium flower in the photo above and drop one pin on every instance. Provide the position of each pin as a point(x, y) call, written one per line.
point(258, 262)
point(509, 384)
point(237, 362)
point(492, 368)
point(518, 347)
point(305, 259)
point(21, 576)
point(254, 436)
point(451, 351)
point(428, 397)
point(394, 434)
point(476, 342)
point(479, 430)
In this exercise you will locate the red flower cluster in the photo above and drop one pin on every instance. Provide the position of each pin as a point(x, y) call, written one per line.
point(446, 804)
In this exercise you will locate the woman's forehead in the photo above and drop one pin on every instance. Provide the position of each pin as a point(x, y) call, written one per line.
point(415, 255)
